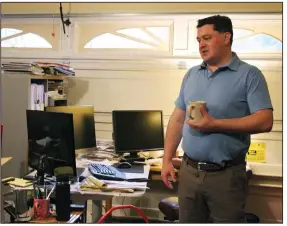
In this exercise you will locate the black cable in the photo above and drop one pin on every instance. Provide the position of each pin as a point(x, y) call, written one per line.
point(104, 208)
point(123, 204)
point(62, 18)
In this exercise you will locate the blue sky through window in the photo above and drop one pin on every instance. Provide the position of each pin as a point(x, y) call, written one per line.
point(257, 43)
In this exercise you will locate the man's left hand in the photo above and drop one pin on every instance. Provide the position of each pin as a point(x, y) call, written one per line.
point(206, 124)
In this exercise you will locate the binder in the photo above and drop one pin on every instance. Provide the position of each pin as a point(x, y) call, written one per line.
point(33, 96)
point(37, 97)
point(41, 97)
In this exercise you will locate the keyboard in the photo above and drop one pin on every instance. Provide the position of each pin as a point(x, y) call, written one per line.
point(105, 172)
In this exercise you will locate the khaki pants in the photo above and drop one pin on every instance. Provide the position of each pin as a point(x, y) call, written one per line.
point(216, 196)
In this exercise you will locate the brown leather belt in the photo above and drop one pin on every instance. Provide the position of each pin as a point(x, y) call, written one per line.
point(210, 166)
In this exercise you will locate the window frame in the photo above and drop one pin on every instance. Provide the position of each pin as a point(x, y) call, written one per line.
point(68, 47)
point(27, 23)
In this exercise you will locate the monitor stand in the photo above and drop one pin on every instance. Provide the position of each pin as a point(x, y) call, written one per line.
point(40, 177)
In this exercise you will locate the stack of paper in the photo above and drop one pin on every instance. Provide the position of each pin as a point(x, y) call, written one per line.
point(92, 183)
point(125, 184)
point(17, 66)
point(100, 155)
point(103, 144)
point(20, 182)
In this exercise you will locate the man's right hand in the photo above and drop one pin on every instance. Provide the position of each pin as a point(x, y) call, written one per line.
point(168, 170)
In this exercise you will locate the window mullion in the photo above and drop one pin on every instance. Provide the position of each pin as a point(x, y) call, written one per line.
point(134, 39)
point(153, 36)
point(14, 36)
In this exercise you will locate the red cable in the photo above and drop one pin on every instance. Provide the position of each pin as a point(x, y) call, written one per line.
point(139, 211)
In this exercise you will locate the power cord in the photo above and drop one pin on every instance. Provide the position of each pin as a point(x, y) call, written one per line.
point(104, 208)
point(123, 204)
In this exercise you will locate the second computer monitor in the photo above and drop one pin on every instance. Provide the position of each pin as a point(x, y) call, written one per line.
point(140, 130)
point(84, 124)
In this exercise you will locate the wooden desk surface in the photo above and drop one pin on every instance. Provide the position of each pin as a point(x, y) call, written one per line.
point(75, 215)
point(154, 169)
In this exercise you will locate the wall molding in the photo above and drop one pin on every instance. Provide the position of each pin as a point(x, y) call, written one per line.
point(100, 16)
point(142, 61)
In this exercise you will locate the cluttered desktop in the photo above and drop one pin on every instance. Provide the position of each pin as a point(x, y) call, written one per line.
point(55, 136)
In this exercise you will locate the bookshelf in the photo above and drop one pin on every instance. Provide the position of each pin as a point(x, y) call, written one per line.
point(15, 99)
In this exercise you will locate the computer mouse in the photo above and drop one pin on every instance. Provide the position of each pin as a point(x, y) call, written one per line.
point(81, 178)
point(124, 165)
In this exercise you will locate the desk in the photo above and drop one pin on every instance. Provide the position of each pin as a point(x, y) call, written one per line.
point(96, 196)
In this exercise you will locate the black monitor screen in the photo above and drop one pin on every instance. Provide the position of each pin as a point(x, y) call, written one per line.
point(138, 130)
point(84, 124)
point(51, 135)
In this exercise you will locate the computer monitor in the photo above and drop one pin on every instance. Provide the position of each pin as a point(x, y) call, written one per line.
point(135, 131)
point(84, 124)
point(50, 142)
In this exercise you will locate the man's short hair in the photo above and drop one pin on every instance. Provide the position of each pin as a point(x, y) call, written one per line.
point(220, 24)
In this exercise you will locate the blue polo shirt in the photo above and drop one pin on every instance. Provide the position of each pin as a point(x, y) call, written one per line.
point(234, 90)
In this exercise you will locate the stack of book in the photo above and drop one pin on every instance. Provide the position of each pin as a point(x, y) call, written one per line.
point(38, 68)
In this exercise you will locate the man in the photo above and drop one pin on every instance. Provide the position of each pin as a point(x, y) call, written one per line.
point(212, 179)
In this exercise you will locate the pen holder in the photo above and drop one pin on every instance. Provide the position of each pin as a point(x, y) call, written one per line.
point(41, 208)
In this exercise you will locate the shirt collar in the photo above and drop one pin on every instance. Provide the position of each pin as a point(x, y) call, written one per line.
point(233, 64)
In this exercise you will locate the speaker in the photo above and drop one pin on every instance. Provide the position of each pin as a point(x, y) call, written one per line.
point(63, 201)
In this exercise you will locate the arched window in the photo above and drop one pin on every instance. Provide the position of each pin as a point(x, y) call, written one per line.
point(246, 43)
point(156, 38)
point(250, 41)
point(13, 38)
point(241, 33)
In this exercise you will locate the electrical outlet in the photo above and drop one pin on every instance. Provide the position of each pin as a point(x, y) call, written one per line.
point(181, 65)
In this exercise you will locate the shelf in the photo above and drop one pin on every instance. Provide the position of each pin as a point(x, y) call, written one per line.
point(266, 183)
point(265, 169)
point(32, 76)
point(54, 77)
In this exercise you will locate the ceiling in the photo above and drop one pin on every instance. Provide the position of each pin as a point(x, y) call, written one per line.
point(147, 7)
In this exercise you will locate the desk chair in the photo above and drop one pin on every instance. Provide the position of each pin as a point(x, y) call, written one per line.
point(169, 206)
